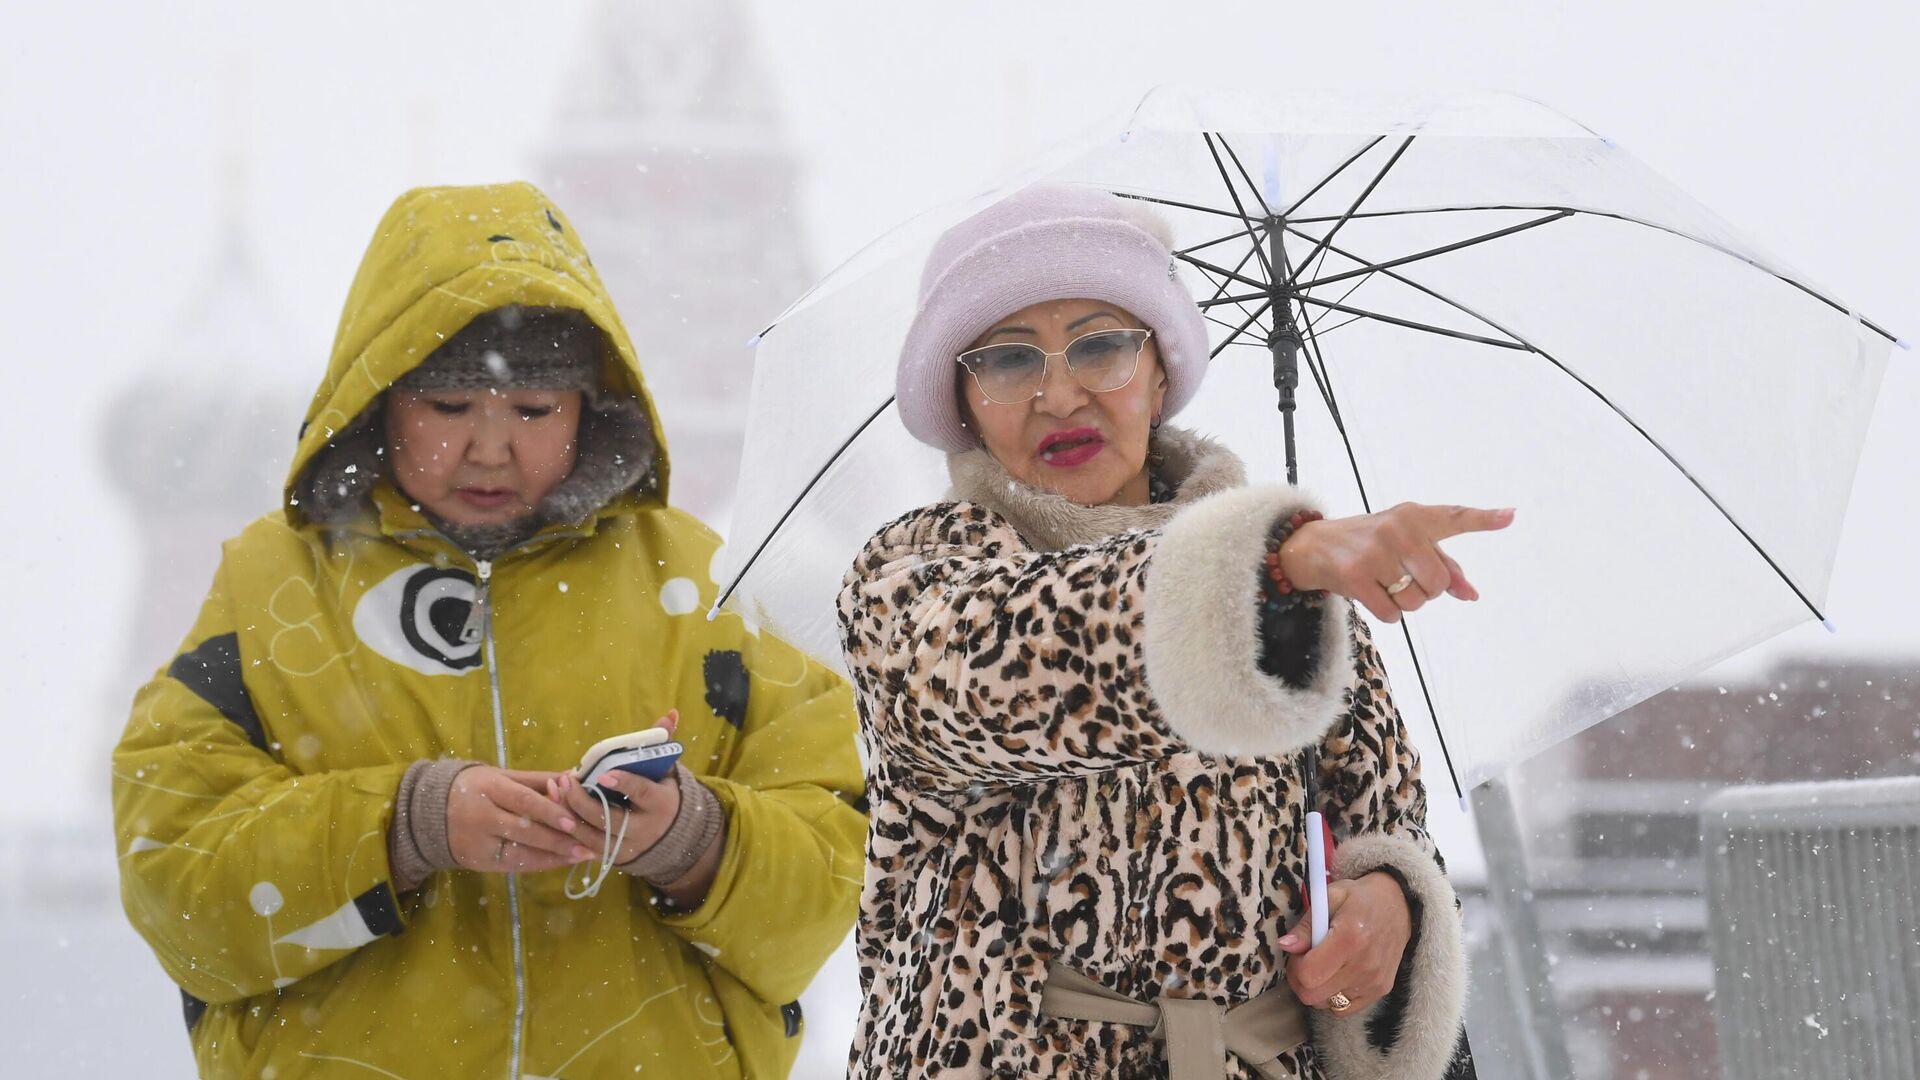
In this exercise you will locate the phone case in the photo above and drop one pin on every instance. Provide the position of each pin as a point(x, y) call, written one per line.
point(632, 740)
point(653, 762)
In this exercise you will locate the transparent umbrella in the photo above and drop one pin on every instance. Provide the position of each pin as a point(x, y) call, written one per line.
point(1470, 300)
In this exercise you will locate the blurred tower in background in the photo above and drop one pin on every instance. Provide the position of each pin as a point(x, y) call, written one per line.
point(670, 158)
point(199, 444)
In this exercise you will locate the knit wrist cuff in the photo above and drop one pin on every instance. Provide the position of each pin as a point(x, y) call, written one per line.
point(694, 829)
point(417, 843)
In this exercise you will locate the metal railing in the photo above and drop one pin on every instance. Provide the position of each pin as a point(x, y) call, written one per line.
point(1815, 912)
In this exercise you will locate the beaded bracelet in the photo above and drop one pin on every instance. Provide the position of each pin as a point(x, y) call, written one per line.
point(1277, 585)
point(1290, 645)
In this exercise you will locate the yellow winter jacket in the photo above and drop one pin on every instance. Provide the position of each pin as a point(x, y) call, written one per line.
point(256, 778)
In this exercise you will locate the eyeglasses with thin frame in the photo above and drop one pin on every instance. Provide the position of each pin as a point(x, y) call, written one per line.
point(1014, 371)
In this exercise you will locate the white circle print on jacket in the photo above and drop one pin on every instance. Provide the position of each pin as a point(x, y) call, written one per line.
point(415, 618)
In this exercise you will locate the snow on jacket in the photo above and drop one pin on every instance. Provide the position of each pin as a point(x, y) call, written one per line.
point(255, 782)
point(1033, 678)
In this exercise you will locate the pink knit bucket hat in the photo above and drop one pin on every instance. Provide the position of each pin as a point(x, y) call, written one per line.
point(1044, 242)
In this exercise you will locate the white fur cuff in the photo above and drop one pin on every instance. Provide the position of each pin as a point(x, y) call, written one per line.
point(1202, 646)
point(1421, 1026)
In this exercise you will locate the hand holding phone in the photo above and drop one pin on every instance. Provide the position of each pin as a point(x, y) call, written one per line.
point(650, 752)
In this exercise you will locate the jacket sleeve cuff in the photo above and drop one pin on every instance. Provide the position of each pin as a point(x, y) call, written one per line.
point(1202, 643)
point(1411, 1033)
point(696, 827)
point(417, 842)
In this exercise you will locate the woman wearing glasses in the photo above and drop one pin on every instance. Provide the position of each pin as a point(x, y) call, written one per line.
point(1091, 684)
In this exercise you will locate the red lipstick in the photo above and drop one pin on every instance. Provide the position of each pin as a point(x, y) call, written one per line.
point(1067, 449)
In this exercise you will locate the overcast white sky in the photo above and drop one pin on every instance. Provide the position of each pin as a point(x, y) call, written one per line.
point(1798, 122)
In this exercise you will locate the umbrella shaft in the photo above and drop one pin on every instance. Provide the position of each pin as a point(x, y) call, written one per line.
point(1285, 346)
point(1293, 465)
point(1284, 342)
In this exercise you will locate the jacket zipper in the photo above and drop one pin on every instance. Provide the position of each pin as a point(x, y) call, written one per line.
point(483, 609)
point(479, 627)
point(477, 614)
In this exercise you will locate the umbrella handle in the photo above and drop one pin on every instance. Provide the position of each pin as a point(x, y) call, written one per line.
point(1317, 874)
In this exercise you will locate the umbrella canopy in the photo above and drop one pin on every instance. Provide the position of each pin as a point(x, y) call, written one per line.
point(1471, 300)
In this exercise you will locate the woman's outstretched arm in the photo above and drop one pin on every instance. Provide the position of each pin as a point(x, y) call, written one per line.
point(984, 662)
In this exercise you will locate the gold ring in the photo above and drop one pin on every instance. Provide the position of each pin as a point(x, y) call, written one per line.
point(1400, 586)
point(1339, 1002)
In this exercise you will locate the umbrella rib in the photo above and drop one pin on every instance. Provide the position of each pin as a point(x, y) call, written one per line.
point(798, 499)
point(1316, 364)
point(1351, 210)
point(1529, 346)
point(1409, 324)
point(1220, 286)
point(1341, 323)
point(1630, 219)
point(1240, 298)
point(1420, 675)
point(1355, 287)
point(1237, 268)
point(1415, 285)
point(1241, 329)
point(1237, 234)
point(1441, 250)
point(1359, 482)
point(1265, 210)
point(1252, 235)
point(1222, 271)
point(1330, 177)
point(1322, 381)
point(1231, 329)
point(1319, 262)
point(1319, 375)
point(1182, 205)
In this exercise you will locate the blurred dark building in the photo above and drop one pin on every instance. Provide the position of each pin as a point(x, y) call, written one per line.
point(1615, 860)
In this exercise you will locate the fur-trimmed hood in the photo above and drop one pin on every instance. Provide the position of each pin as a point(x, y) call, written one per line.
point(440, 257)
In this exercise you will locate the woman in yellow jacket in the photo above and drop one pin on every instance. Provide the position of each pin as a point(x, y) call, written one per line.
point(344, 822)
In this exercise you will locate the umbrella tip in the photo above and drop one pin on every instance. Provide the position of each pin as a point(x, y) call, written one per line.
point(754, 340)
point(1828, 623)
point(1463, 805)
point(1904, 344)
point(1125, 135)
point(713, 612)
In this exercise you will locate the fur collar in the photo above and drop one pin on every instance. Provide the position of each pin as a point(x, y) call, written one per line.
point(1194, 465)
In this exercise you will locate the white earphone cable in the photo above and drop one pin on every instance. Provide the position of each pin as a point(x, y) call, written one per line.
point(607, 852)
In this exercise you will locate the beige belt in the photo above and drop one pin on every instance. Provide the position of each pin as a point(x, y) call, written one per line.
point(1199, 1034)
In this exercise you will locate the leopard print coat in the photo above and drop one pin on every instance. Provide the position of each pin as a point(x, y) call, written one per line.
point(1073, 756)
